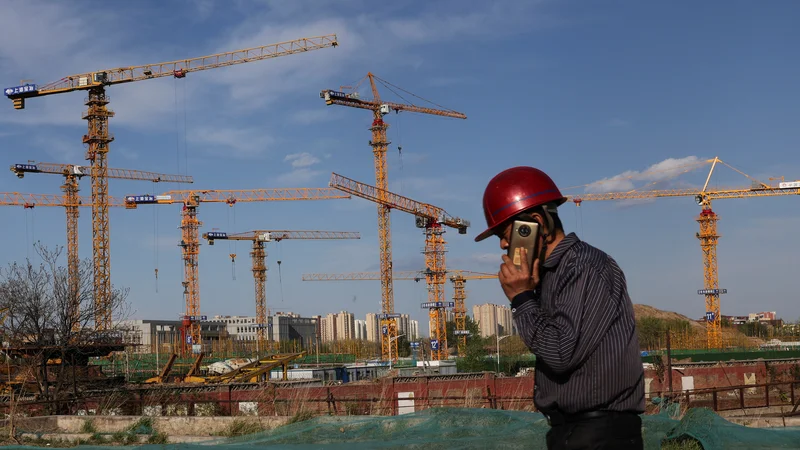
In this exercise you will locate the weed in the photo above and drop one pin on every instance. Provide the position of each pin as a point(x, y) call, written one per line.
point(240, 428)
point(301, 416)
point(157, 438)
point(88, 427)
point(142, 426)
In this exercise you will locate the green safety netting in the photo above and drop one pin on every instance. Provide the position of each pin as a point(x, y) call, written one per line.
point(463, 428)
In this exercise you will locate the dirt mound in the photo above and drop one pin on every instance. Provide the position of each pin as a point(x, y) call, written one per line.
point(642, 311)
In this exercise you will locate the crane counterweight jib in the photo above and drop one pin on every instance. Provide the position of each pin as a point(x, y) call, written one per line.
point(233, 196)
point(340, 98)
point(278, 235)
point(80, 171)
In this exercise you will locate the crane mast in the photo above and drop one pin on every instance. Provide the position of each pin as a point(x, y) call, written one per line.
point(259, 238)
point(190, 243)
point(707, 235)
point(379, 144)
point(72, 173)
point(98, 138)
point(431, 219)
point(457, 277)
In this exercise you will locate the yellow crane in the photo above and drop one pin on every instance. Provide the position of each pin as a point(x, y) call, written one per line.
point(379, 143)
point(190, 244)
point(457, 277)
point(98, 138)
point(72, 173)
point(259, 259)
point(433, 220)
point(708, 235)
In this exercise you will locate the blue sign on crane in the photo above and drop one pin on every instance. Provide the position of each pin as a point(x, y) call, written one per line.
point(438, 305)
point(16, 90)
point(141, 198)
point(217, 235)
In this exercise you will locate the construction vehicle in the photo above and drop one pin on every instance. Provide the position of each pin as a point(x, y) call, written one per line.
point(72, 173)
point(708, 235)
point(379, 143)
point(190, 244)
point(98, 137)
point(457, 277)
point(433, 220)
point(259, 258)
point(258, 371)
point(192, 376)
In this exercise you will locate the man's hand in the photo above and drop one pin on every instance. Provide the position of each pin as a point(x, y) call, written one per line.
point(516, 280)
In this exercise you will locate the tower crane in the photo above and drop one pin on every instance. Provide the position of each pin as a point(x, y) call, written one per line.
point(190, 245)
point(98, 138)
point(71, 202)
point(457, 277)
point(72, 173)
point(432, 219)
point(708, 236)
point(379, 144)
point(259, 259)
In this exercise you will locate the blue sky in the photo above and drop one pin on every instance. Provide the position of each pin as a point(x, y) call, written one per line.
point(583, 90)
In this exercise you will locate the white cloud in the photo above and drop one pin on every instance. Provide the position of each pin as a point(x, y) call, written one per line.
point(303, 159)
point(617, 122)
point(659, 172)
point(69, 151)
point(298, 177)
point(238, 143)
point(312, 116)
point(301, 174)
point(495, 19)
point(434, 190)
point(451, 80)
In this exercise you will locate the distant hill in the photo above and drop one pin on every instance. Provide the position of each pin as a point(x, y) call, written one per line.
point(642, 311)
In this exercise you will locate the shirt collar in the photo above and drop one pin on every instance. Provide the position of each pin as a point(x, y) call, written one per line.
point(562, 247)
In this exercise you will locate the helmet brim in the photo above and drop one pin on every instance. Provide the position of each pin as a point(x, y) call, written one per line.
point(488, 232)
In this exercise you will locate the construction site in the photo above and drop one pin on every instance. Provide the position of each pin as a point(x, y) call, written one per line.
point(82, 365)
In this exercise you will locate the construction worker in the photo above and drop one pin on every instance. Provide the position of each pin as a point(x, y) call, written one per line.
point(573, 311)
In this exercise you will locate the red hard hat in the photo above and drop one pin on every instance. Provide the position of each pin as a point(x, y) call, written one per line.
point(513, 191)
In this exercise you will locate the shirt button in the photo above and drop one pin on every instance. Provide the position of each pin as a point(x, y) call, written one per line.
point(513, 310)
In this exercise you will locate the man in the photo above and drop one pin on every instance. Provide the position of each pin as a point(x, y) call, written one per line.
point(573, 311)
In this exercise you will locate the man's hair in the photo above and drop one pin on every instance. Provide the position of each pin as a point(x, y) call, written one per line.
point(552, 208)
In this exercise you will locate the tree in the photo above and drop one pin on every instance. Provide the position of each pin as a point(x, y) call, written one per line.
point(48, 325)
point(452, 339)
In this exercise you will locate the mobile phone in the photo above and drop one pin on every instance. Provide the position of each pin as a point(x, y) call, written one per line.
point(525, 235)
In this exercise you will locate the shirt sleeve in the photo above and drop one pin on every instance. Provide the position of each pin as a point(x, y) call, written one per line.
point(582, 313)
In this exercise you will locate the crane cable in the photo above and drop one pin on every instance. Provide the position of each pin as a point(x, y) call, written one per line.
point(579, 222)
point(280, 277)
point(232, 244)
point(399, 135)
point(29, 241)
point(155, 243)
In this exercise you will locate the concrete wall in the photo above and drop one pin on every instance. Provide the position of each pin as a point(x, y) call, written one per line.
point(172, 426)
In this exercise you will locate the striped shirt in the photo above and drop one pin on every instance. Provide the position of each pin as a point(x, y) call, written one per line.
point(579, 323)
